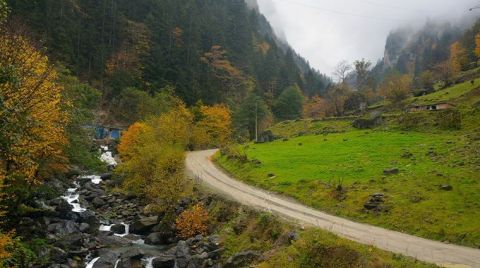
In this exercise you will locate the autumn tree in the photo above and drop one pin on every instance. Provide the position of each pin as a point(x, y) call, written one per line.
point(289, 104)
point(458, 57)
point(214, 126)
point(152, 156)
point(32, 120)
point(130, 140)
point(192, 222)
point(235, 82)
point(315, 107)
point(396, 87)
point(445, 72)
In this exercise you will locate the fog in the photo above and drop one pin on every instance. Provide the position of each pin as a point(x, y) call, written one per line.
point(326, 32)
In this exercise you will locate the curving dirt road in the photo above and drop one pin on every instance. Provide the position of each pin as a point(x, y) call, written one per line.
point(201, 167)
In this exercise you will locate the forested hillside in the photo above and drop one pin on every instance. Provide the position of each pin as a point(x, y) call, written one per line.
point(210, 51)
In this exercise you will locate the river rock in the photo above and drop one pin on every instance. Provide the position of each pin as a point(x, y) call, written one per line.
point(157, 239)
point(164, 261)
point(118, 228)
point(84, 227)
point(62, 228)
point(183, 254)
point(106, 176)
point(98, 202)
point(144, 225)
point(61, 205)
point(57, 255)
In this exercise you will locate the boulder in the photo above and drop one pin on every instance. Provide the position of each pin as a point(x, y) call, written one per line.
point(144, 225)
point(106, 176)
point(84, 227)
point(375, 202)
point(118, 228)
point(108, 258)
point(164, 261)
point(62, 228)
point(61, 205)
point(391, 171)
point(241, 259)
point(98, 202)
point(183, 254)
point(57, 255)
point(446, 187)
point(158, 238)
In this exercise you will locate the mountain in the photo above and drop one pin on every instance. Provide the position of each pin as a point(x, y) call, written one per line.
point(412, 51)
point(209, 50)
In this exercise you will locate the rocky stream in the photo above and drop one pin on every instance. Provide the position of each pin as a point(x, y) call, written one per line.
point(91, 227)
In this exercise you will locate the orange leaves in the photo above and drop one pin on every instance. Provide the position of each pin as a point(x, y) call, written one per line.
point(234, 81)
point(192, 222)
point(315, 107)
point(130, 139)
point(33, 121)
point(6, 241)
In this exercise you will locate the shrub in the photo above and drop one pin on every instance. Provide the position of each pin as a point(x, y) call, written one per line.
point(451, 119)
point(409, 121)
point(192, 222)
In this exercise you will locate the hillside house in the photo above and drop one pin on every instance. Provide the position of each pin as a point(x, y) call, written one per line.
point(430, 107)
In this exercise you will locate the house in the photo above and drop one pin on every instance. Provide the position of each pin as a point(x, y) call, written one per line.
point(430, 107)
point(108, 132)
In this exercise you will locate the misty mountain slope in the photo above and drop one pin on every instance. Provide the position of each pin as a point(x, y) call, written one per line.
point(204, 49)
point(412, 51)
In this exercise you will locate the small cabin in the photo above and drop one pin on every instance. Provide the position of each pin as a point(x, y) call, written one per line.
point(108, 132)
point(430, 107)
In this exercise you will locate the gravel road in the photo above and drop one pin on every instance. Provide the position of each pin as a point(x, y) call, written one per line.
point(201, 167)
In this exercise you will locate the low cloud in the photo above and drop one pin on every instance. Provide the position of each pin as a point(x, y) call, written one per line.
point(326, 32)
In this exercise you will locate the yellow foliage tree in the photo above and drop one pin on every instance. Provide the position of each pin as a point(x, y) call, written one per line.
point(396, 87)
point(214, 127)
point(192, 222)
point(458, 57)
point(130, 139)
point(31, 114)
point(174, 127)
point(152, 156)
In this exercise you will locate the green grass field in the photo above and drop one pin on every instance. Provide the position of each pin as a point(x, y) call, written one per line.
point(310, 169)
point(446, 95)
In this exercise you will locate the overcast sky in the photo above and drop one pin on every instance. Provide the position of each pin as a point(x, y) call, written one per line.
point(328, 31)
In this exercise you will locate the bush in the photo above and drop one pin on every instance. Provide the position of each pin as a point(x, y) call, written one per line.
point(234, 153)
point(409, 121)
point(451, 119)
point(192, 222)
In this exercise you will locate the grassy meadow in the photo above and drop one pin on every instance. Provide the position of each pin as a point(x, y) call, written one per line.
point(337, 172)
